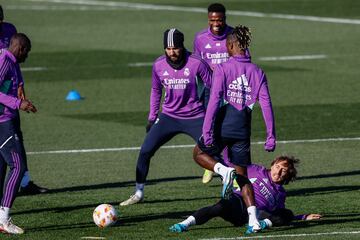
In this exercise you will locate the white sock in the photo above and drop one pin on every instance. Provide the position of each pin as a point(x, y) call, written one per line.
point(252, 216)
point(25, 180)
point(140, 190)
point(221, 169)
point(188, 222)
point(4, 214)
point(268, 223)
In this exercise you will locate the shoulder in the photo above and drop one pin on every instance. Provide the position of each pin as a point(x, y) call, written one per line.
point(198, 59)
point(256, 171)
point(9, 27)
point(201, 34)
point(159, 60)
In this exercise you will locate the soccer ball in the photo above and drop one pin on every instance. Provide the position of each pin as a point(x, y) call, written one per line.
point(105, 215)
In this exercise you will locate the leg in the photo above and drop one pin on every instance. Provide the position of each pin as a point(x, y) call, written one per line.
point(160, 133)
point(239, 154)
point(199, 217)
point(27, 187)
point(279, 217)
point(10, 153)
point(206, 161)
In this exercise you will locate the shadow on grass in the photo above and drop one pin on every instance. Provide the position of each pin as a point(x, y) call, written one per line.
point(136, 118)
point(119, 184)
point(67, 209)
point(321, 190)
point(339, 174)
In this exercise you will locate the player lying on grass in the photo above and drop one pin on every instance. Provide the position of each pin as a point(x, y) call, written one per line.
point(269, 198)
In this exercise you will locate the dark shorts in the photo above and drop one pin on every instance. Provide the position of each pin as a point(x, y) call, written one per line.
point(238, 150)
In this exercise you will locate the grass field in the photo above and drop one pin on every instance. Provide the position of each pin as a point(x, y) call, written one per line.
point(89, 46)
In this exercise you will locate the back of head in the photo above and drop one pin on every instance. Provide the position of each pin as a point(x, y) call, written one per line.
point(290, 162)
point(242, 35)
point(20, 40)
point(216, 7)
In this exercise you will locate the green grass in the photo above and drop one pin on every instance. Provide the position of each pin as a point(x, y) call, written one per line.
point(90, 50)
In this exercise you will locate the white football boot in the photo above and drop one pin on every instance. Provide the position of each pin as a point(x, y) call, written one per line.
point(10, 228)
point(132, 200)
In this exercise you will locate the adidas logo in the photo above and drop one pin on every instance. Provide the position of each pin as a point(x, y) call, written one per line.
point(165, 73)
point(239, 82)
point(208, 46)
point(218, 44)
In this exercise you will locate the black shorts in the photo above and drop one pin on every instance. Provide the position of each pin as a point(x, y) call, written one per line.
point(238, 150)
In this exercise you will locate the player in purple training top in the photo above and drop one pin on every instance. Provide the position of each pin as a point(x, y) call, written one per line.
point(180, 74)
point(270, 198)
point(240, 84)
point(7, 30)
point(210, 45)
point(11, 149)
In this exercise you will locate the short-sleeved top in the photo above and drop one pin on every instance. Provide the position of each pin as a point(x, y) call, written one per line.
point(269, 196)
point(9, 103)
point(181, 86)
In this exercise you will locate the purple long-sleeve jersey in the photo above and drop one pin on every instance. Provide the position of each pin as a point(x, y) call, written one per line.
point(9, 103)
point(211, 47)
point(181, 88)
point(269, 196)
point(7, 30)
point(240, 83)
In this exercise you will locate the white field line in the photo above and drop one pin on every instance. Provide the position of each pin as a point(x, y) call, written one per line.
point(33, 69)
point(143, 6)
point(93, 238)
point(184, 146)
point(290, 58)
point(285, 235)
point(274, 58)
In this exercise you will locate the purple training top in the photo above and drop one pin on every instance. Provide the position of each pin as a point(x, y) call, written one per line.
point(7, 30)
point(181, 88)
point(211, 47)
point(269, 196)
point(240, 83)
point(9, 103)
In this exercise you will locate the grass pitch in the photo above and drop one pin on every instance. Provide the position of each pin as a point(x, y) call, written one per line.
point(89, 47)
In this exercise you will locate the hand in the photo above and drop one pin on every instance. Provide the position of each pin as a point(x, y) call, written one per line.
point(313, 216)
point(270, 145)
point(212, 149)
point(149, 125)
point(21, 92)
point(27, 106)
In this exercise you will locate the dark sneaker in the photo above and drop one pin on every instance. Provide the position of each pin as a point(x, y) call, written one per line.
point(32, 189)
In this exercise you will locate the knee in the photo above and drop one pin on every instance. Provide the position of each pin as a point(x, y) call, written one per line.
point(242, 180)
point(196, 153)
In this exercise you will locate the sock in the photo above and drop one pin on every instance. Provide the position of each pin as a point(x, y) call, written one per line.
point(4, 214)
point(25, 180)
point(268, 223)
point(188, 222)
point(252, 216)
point(220, 169)
point(139, 190)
